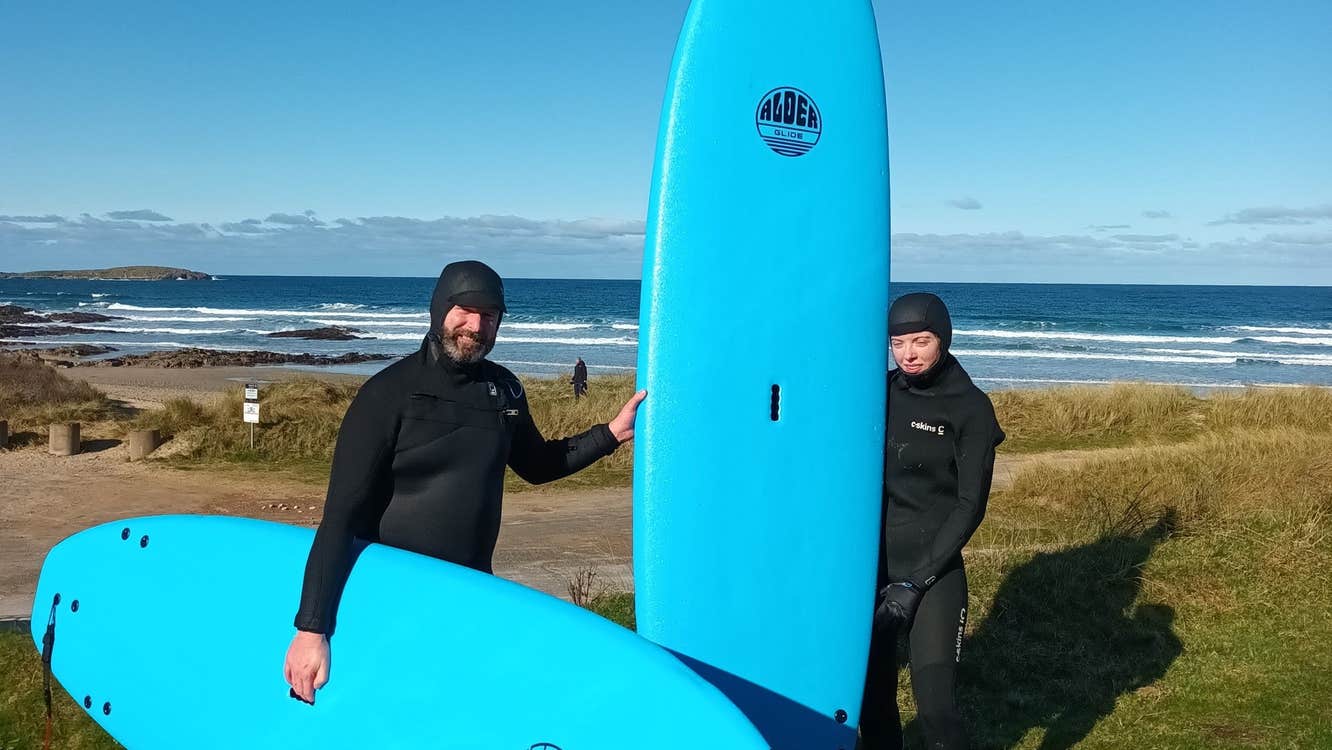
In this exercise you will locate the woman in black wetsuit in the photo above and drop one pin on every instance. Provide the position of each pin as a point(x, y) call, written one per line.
point(941, 436)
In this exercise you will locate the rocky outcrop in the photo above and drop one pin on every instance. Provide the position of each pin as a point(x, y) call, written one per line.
point(330, 333)
point(16, 331)
point(214, 358)
point(81, 317)
point(60, 354)
point(16, 314)
point(119, 273)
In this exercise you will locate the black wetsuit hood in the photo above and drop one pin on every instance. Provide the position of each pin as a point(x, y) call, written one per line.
point(469, 283)
point(922, 311)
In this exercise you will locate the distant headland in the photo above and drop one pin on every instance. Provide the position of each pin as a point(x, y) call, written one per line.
point(119, 273)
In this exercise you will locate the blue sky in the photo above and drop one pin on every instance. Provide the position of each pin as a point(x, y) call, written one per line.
point(1031, 141)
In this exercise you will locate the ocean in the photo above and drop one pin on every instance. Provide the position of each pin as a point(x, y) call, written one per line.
point(1007, 335)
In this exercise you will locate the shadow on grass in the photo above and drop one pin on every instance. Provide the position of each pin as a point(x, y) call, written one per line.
point(25, 439)
point(1064, 639)
point(97, 446)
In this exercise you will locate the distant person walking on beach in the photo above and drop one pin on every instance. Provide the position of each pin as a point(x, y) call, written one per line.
point(579, 379)
point(941, 436)
point(420, 457)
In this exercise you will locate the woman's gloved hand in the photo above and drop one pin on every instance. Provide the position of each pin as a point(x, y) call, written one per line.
point(898, 603)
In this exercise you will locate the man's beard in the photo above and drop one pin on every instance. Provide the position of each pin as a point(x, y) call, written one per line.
point(465, 347)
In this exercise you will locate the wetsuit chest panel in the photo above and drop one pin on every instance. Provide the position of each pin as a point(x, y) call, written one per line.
point(920, 470)
point(919, 441)
point(429, 417)
point(448, 471)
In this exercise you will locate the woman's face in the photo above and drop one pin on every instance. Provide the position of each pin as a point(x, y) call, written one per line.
point(916, 352)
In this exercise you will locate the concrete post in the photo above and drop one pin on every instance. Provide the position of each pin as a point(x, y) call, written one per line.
point(64, 439)
point(141, 443)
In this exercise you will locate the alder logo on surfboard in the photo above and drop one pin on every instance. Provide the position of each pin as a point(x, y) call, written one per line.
point(788, 121)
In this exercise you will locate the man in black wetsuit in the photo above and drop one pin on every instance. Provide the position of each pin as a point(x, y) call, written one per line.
point(419, 461)
point(579, 379)
point(941, 436)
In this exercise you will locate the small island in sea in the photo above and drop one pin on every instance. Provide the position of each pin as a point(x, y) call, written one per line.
point(119, 273)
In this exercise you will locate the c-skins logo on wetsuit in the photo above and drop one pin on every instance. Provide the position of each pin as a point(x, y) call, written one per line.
point(788, 121)
point(544, 746)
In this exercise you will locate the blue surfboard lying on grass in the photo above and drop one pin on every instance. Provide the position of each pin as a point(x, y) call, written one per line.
point(171, 632)
point(763, 343)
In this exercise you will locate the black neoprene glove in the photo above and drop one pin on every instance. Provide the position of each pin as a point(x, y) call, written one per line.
point(898, 605)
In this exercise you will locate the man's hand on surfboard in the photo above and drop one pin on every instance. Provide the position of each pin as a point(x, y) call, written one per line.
point(306, 668)
point(622, 427)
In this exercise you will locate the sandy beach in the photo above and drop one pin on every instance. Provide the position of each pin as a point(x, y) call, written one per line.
point(149, 387)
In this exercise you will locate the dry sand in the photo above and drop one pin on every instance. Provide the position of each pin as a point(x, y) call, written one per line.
point(150, 387)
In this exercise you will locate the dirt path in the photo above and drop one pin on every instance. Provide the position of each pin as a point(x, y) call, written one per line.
point(1006, 467)
point(546, 539)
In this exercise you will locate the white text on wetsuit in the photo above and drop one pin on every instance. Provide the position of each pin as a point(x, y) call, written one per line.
point(928, 427)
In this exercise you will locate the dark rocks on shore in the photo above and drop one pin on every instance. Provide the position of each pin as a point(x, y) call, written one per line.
point(185, 358)
point(82, 317)
point(17, 331)
point(329, 333)
point(74, 351)
point(16, 314)
point(12, 315)
point(57, 354)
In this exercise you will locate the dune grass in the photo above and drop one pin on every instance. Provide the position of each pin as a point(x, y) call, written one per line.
point(1095, 417)
point(557, 415)
point(33, 395)
point(1126, 414)
point(300, 420)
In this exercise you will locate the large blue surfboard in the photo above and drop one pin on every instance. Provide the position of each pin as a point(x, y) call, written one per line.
point(171, 632)
point(763, 345)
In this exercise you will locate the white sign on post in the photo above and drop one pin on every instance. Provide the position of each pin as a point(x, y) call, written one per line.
point(251, 393)
point(251, 412)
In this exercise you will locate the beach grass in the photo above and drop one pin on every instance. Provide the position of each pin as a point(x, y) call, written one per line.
point(1128, 414)
point(557, 414)
point(300, 420)
point(33, 395)
point(23, 711)
point(1088, 417)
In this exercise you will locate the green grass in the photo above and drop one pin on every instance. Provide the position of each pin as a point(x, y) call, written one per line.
point(618, 607)
point(23, 712)
point(1165, 597)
